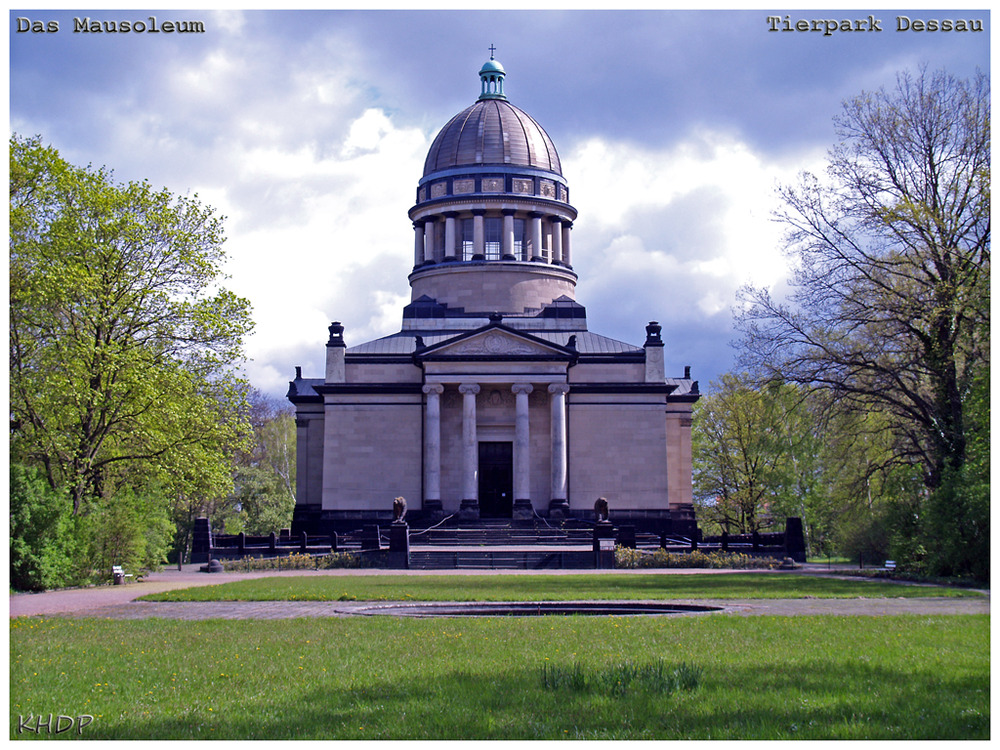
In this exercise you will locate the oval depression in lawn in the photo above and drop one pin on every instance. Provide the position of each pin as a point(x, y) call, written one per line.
point(532, 609)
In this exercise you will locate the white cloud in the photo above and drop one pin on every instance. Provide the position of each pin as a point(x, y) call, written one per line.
point(342, 251)
point(314, 182)
point(230, 21)
point(704, 203)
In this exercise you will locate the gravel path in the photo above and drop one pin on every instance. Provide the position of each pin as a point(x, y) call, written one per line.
point(118, 602)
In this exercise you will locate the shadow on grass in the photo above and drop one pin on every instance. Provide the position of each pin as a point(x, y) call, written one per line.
point(820, 700)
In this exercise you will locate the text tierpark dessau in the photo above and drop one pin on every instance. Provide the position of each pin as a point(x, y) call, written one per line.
point(903, 23)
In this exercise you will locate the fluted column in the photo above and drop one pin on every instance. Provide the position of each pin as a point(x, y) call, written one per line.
point(522, 454)
point(536, 237)
point(478, 235)
point(469, 509)
point(429, 238)
point(507, 248)
point(418, 243)
point(557, 396)
point(432, 448)
point(557, 237)
point(449, 236)
point(567, 261)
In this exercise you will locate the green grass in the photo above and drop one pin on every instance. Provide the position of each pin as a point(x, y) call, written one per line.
point(905, 677)
point(550, 588)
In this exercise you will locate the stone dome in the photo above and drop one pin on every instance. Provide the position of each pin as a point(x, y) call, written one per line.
point(492, 217)
point(492, 132)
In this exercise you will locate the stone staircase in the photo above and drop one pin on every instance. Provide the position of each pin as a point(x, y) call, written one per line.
point(499, 559)
point(499, 545)
point(498, 535)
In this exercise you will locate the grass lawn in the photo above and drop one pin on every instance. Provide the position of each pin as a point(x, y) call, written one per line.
point(905, 677)
point(551, 588)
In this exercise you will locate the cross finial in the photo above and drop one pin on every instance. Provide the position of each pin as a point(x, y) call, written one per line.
point(492, 50)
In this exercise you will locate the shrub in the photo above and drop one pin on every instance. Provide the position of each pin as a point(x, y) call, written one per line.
point(626, 557)
point(296, 561)
point(130, 528)
point(43, 535)
point(954, 529)
point(867, 535)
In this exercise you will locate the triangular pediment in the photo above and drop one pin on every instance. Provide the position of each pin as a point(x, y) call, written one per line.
point(495, 341)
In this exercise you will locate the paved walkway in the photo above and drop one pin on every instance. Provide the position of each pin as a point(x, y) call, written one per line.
point(119, 601)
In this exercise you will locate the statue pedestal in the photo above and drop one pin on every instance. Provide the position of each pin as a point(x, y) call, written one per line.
point(399, 545)
point(604, 545)
point(370, 540)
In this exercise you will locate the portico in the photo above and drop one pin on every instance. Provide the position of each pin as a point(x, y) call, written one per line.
point(496, 407)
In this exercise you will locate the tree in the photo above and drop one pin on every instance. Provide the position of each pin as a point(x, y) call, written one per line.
point(264, 482)
point(131, 528)
point(741, 454)
point(889, 306)
point(764, 453)
point(872, 499)
point(122, 342)
point(889, 302)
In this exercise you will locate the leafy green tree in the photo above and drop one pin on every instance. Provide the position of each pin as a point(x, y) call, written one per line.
point(954, 525)
point(122, 342)
point(264, 481)
point(132, 528)
point(766, 453)
point(120, 339)
point(193, 502)
point(741, 453)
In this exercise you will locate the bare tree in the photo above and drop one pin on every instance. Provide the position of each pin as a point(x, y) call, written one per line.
point(889, 302)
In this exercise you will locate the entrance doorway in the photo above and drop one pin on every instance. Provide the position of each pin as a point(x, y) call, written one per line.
point(496, 479)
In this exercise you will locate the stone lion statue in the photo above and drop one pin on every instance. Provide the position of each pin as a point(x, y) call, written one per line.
point(398, 509)
point(601, 509)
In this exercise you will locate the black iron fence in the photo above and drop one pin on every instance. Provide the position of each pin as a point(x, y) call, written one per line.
point(396, 539)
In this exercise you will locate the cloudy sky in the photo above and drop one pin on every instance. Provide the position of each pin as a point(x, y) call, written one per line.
point(308, 131)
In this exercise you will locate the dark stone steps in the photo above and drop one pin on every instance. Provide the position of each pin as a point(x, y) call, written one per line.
point(500, 559)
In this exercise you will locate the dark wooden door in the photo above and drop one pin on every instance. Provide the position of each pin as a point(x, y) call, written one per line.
point(496, 480)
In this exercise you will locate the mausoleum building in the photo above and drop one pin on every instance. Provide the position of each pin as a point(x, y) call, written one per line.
point(494, 400)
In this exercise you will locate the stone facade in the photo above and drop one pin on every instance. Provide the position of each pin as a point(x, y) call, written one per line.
point(494, 400)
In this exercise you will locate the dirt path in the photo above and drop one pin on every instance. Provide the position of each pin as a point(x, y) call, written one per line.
point(119, 601)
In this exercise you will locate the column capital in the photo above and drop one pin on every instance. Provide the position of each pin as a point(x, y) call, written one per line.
point(522, 388)
point(436, 388)
point(468, 388)
point(559, 388)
